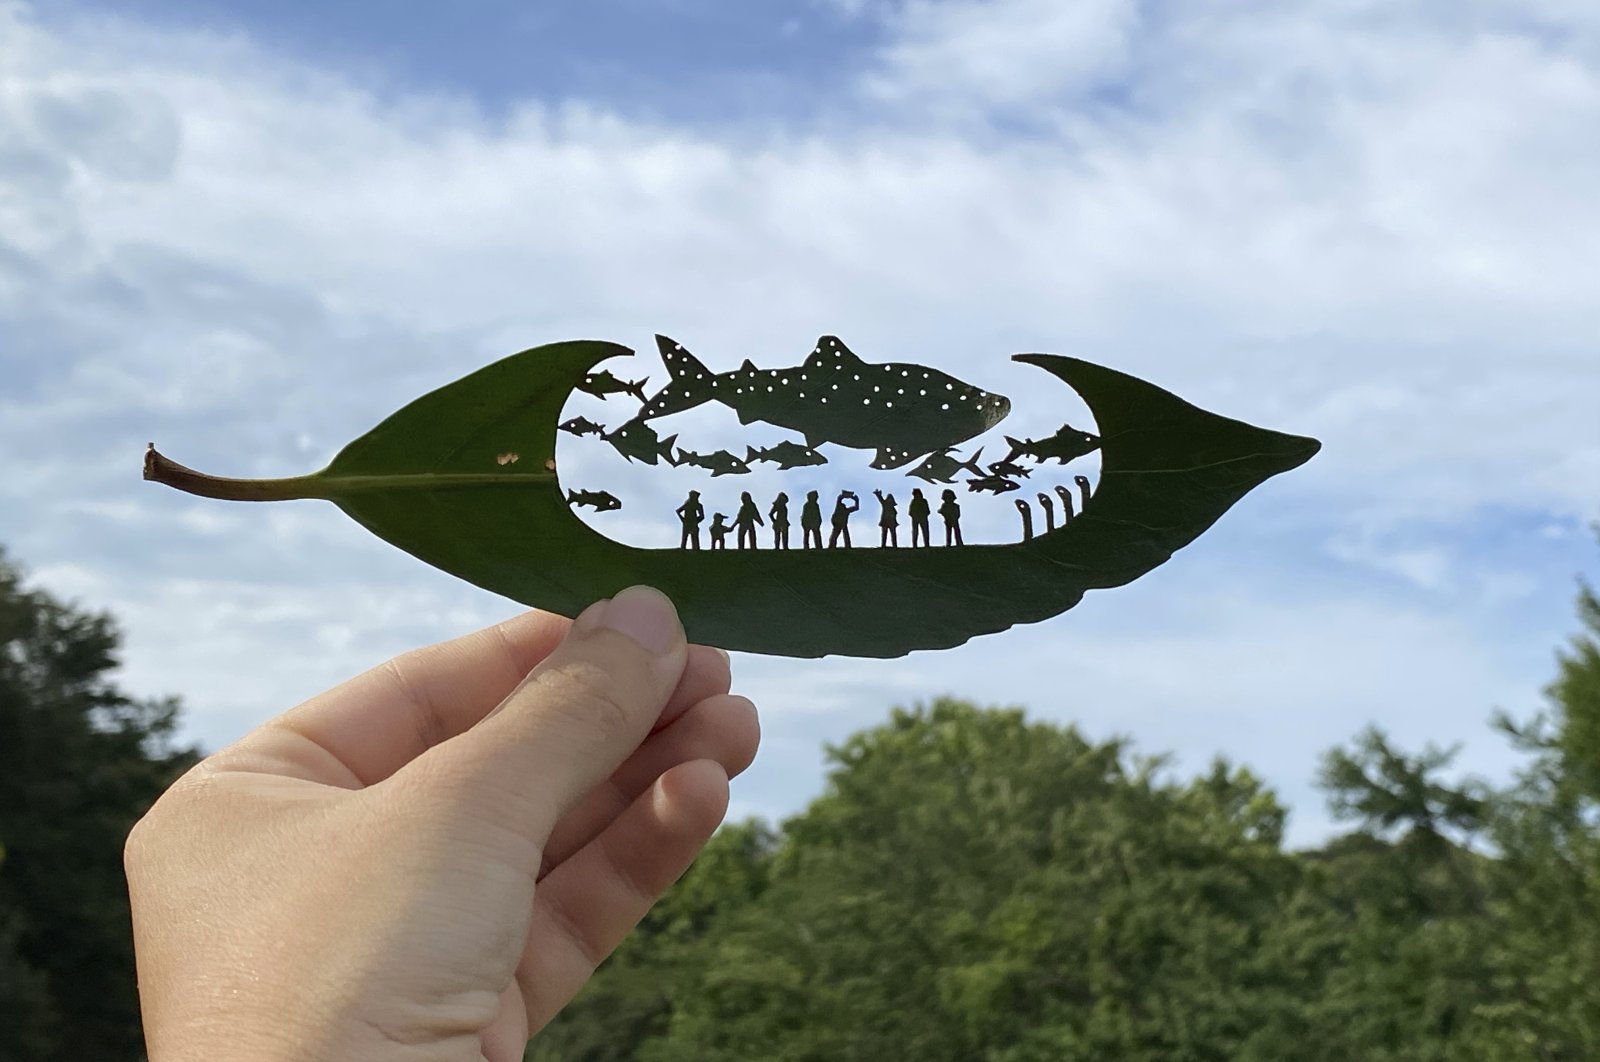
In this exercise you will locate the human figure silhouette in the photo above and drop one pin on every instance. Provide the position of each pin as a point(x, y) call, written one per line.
point(843, 506)
point(747, 519)
point(719, 531)
point(950, 509)
point(918, 511)
point(780, 521)
point(691, 512)
point(811, 521)
point(1027, 518)
point(1048, 504)
point(888, 520)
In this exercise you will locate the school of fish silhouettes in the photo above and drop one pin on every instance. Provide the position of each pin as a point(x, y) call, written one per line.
point(900, 411)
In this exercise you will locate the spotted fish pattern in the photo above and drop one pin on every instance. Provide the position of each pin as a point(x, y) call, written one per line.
point(901, 411)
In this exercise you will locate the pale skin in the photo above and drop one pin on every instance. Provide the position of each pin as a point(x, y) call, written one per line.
point(428, 861)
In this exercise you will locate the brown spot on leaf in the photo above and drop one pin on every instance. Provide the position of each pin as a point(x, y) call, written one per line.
point(550, 464)
point(508, 458)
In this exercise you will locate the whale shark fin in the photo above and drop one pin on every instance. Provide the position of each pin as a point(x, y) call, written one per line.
point(888, 457)
point(833, 346)
point(691, 383)
point(747, 366)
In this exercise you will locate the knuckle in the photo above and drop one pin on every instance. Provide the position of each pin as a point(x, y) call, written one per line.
point(593, 699)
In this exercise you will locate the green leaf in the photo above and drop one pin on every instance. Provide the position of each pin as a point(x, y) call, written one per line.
point(464, 478)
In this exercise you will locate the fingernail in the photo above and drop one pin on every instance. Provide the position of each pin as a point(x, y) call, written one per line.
point(726, 659)
point(645, 615)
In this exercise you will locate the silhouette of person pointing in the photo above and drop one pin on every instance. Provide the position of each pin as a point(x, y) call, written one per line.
point(888, 520)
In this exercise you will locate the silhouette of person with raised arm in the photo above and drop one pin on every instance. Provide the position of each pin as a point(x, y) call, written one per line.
point(950, 509)
point(691, 512)
point(888, 520)
point(780, 521)
point(811, 521)
point(746, 520)
point(1027, 518)
point(719, 531)
point(918, 511)
point(1048, 504)
point(846, 504)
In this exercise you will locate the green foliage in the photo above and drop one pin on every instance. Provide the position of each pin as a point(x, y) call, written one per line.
point(465, 479)
point(973, 885)
point(80, 761)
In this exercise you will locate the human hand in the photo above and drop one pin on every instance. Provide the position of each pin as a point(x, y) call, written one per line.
point(355, 879)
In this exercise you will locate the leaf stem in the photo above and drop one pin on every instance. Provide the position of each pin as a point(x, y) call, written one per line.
point(163, 469)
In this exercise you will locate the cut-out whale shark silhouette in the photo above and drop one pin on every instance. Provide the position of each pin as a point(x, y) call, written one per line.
point(900, 410)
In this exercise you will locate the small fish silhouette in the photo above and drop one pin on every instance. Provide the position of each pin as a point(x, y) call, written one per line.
point(637, 441)
point(583, 426)
point(996, 484)
point(599, 500)
point(602, 383)
point(785, 455)
point(1067, 443)
point(1010, 469)
point(721, 463)
point(942, 468)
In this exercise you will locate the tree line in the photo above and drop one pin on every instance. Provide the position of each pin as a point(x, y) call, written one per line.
point(973, 884)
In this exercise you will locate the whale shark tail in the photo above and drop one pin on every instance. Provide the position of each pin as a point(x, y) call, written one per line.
point(690, 386)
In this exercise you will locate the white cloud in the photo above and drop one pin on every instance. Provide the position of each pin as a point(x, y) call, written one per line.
point(1375, 225)
point(959, 53)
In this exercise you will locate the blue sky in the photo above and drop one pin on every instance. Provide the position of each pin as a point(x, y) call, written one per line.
point(682, 60)
point(249, 232)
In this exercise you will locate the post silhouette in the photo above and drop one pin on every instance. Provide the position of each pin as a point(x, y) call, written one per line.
point(918, 511)
point(691, 512)
point(811, 521)
point(1048, 504)
point(888, 520)
point(1066, 503)
point(950, 509)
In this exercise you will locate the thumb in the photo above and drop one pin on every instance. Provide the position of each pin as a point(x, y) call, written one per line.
point(574, 719)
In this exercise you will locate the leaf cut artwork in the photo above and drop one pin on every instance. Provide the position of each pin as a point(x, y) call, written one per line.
point(465, 479)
